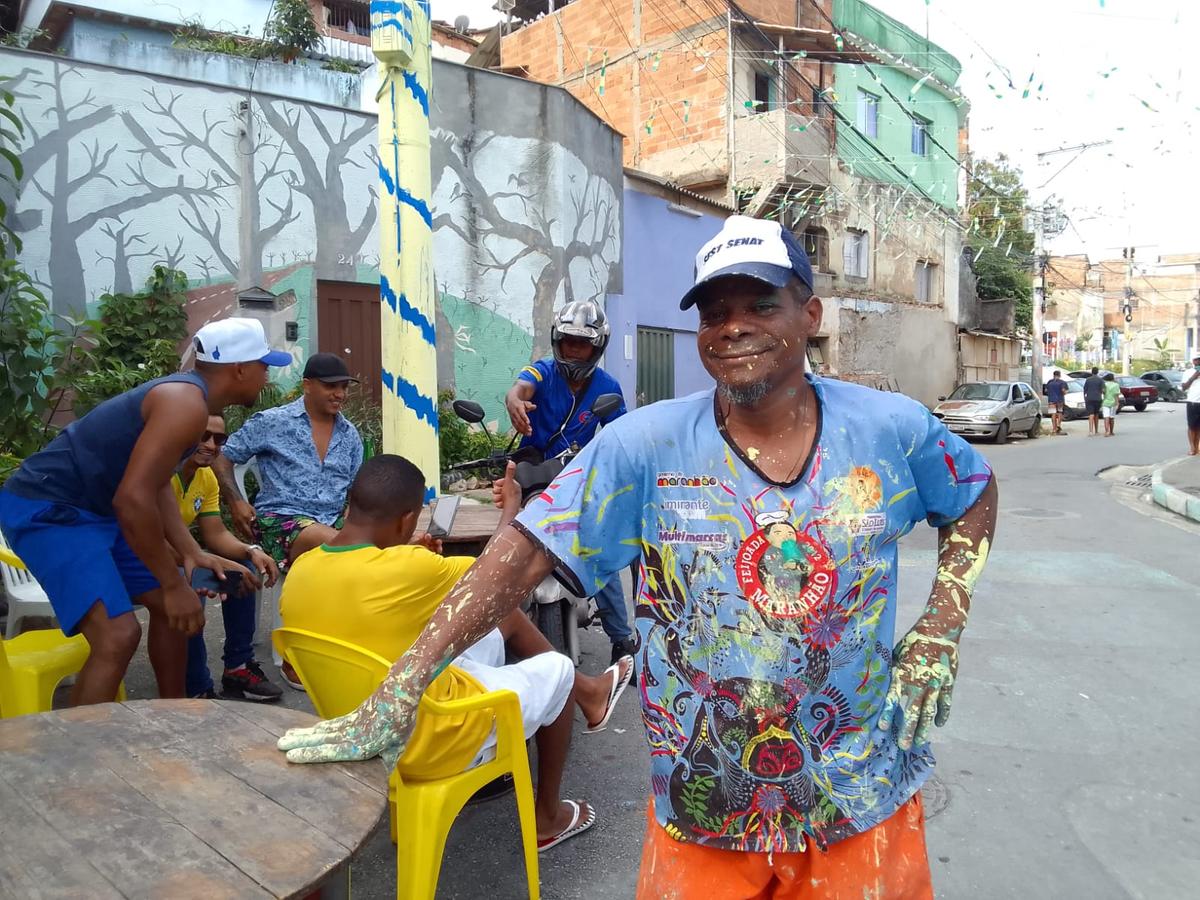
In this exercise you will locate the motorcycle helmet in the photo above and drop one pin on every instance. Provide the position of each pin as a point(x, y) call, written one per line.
point(582, 319)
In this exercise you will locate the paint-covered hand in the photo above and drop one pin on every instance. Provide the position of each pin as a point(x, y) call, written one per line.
point(923, 669)
point(381, 726)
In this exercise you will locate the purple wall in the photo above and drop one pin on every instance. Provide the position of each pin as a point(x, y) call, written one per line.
point(660, 251)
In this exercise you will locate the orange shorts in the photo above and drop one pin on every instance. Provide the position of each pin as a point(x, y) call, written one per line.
point(886, 863)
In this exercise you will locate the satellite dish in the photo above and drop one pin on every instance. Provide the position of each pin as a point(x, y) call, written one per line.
point(461, 24)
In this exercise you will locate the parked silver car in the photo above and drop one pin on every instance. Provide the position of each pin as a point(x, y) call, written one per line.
point(991, 409)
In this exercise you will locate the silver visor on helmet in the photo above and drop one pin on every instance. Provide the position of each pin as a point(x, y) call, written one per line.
point(582, 319)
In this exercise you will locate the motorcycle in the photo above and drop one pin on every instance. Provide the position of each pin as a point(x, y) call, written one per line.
point(556, 611)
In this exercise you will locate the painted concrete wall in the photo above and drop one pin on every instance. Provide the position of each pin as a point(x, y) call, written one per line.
point(232, 16)
point(660, 254)
point(124, 170)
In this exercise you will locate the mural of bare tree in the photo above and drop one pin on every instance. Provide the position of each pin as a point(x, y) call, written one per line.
point(172, 257)
point(321, 180)
point(206, 266)
point(591, 237)
point(251, 175)
point(123, 252)
point(69, 120)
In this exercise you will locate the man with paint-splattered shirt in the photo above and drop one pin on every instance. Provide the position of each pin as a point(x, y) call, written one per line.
point(788, 736)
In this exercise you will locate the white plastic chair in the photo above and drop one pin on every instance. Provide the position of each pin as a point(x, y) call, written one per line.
point(25, 596)
point(269, 597)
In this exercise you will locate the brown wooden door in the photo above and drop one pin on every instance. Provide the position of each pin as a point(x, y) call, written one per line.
point(348, 325)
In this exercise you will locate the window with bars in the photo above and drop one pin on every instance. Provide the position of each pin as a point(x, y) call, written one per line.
point(349, 16)
point(816, 245)
point(854, 254)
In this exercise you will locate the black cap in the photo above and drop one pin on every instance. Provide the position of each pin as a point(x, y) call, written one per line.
point(329, 368)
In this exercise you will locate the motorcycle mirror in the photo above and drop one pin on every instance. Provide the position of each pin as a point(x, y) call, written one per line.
point(605, 405)
point(468, 411)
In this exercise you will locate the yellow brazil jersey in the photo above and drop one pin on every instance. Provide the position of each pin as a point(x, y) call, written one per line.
point(200, 498)
point(381, 601)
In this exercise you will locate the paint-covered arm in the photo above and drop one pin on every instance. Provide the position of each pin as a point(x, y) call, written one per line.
point(510, 567)
point(925, 662)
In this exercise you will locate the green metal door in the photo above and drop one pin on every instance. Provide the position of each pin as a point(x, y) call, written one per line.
point(655, 365)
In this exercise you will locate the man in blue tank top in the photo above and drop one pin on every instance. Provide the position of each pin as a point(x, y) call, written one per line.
point(95, 519)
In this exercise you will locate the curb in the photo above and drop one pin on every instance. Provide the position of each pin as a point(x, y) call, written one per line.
point(1172, 498)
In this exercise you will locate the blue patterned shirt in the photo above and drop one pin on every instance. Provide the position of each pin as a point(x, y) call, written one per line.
point(295, 481)
point(766, 612)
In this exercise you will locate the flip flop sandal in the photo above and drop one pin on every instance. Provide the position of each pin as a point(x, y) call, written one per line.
point(619, 683)
point(578, 826)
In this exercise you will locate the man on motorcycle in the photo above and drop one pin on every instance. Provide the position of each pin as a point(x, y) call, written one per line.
point(550, 405)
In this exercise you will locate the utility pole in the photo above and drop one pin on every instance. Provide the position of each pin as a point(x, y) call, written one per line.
point(1127, 307)
point(1038, 344)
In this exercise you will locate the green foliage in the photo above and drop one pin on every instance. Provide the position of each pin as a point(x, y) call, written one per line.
point(1165, 354)
point(1141, 366)
point(458, 441)
point(366, 414)
point(292, 31)
point(136, 338)
point(12, 134)
point(192, 35)
point(24, 37)
point(996, 205)
point(32, 351)
point(341, 65)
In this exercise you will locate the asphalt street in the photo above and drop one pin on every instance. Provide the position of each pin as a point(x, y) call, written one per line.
point(1066, 769)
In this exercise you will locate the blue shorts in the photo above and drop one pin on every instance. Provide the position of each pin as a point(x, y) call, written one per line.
point(77, 556)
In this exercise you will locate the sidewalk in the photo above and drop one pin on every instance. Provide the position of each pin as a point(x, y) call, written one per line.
point(1176, 486)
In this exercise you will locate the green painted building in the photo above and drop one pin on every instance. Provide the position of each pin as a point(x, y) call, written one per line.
point(904, 106)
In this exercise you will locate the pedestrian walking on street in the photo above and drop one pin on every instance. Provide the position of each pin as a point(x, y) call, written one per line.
point(1192, 386)
point(1093, 398)
point(788, 731)
point(1056, 398)
point(1112, 404)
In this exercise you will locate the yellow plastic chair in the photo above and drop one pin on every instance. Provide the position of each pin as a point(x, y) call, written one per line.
point(31, 666)
point(339, 676)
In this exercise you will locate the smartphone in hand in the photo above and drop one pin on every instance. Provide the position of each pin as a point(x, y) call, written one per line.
point(441, 519)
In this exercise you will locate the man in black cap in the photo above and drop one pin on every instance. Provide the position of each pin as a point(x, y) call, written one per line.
point(307, 454)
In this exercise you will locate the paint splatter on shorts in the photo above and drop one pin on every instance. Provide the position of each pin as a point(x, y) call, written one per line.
point(276, 534)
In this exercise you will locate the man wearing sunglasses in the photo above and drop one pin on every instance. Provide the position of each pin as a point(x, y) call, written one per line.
point(199, 498)
point(94, 518)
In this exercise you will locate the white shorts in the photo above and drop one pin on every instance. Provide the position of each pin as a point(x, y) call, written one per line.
point(542, 683)
point(1108, 412)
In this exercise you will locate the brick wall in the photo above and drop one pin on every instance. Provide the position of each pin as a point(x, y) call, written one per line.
point(665, 97)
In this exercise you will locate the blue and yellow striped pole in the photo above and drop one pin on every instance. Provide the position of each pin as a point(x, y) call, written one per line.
point(400, 40)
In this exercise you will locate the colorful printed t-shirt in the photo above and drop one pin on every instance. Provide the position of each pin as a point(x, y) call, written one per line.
point(766, 613)
point(201, 497)
point(561, 418)
point(381, 600)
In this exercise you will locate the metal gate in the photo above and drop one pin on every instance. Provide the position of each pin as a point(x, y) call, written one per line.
point(655, 365)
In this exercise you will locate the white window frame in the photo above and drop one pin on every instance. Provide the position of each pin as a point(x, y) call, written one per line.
point(855, 250)
point(868, 124)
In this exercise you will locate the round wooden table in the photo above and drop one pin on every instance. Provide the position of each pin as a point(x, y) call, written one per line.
point(176, 798)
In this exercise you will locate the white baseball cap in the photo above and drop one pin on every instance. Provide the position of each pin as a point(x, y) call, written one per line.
point(237, 340)
point(757, 248)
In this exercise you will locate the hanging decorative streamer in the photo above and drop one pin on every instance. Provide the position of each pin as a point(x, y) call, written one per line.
point(920, 84)
point(657, 60)
point(687, 110)
point(838, 42)
point(603, 72)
